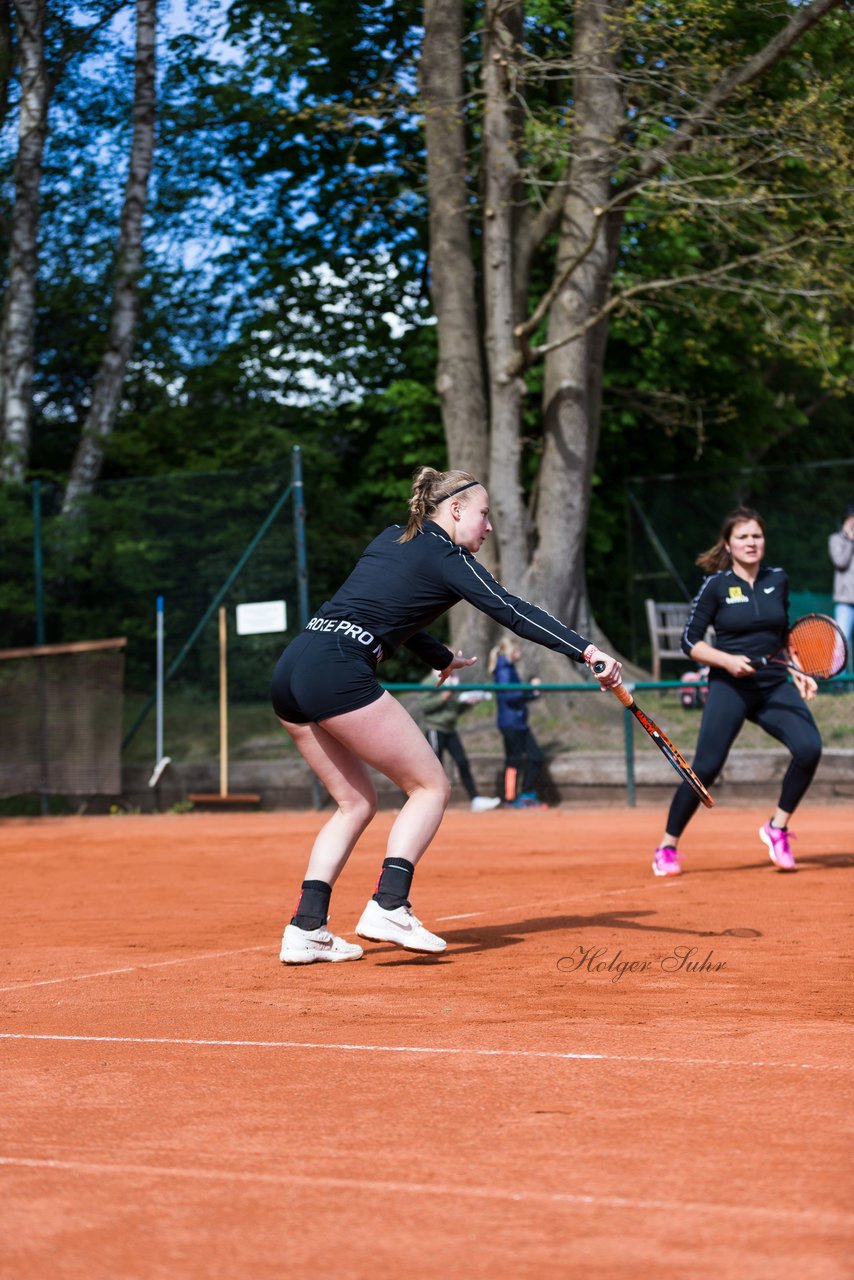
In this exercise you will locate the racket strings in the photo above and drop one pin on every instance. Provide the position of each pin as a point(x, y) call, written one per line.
point(818, 647)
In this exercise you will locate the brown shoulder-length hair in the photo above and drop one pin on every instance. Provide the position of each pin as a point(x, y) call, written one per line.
point(429, 488)
point(718, 557)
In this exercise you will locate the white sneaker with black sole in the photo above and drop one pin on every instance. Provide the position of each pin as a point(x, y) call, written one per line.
point(399, 926)
point(304, 946)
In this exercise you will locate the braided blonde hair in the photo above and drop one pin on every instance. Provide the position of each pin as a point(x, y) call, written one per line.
point(429, 488)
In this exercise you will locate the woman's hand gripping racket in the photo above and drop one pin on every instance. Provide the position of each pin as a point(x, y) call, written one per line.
point(665, 746)
point(815, 646)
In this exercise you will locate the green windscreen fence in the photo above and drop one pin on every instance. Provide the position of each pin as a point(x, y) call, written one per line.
point(61, 720)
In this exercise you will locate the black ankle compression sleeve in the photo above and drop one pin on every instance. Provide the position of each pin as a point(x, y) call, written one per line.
point(394, 883)
point(312, 910)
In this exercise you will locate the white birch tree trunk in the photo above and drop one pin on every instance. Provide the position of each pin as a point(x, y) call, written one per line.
point(17, 334)
point(109, 380)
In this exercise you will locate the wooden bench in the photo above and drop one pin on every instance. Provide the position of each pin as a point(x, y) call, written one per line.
point(666, 621)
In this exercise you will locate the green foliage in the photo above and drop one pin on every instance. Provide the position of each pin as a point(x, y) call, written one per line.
point(285, 295)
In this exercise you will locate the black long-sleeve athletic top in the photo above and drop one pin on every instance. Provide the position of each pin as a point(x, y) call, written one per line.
point(399, 588)
point(752, 620)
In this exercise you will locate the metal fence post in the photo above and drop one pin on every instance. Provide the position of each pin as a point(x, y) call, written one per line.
point(38, 562)
point(628, 733)
point(319, 794)
point(299, 533)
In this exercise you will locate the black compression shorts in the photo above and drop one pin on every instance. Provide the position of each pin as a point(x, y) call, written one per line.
point(324, 673)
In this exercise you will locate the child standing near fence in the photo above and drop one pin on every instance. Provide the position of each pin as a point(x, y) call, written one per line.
point(523, 756)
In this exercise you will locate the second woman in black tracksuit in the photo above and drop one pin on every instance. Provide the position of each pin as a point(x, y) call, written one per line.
point(747, 604)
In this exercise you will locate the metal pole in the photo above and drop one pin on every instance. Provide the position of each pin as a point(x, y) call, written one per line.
point(38, 562)
point(38, 572)
point(318, 792)
point(223, 704)
point(299, 533)
point(628, 734)
point(160, 760)
point(158, 736)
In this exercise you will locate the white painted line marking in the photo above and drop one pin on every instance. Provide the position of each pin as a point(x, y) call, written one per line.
point(451, 1051)
point(155, 964)
point(352, 1184)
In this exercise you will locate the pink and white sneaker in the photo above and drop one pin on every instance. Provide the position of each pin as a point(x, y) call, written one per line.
point(665, 861)
point(777, 840)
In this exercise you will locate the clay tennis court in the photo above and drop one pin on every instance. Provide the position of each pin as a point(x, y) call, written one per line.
point(559, 1093)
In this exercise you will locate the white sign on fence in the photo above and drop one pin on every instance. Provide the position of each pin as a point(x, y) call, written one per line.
point(264, 615)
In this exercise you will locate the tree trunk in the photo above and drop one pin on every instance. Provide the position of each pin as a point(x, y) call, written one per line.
point(109, 380)
point(573, 371)
point(503, 202)
point(460, 372)
point(17, 337)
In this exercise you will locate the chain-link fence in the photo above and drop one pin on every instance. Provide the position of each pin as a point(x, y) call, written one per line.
point(233, 537)
point(198, 541)
point(671, 519)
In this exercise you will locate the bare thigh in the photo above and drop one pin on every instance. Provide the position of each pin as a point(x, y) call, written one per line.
point(385, 736)
point(340, 770)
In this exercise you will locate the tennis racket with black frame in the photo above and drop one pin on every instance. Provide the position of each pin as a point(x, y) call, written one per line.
point(815, 646)
point(661, 740)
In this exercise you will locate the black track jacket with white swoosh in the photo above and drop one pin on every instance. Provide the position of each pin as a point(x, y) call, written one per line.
point(399, 588)
point(752, 620)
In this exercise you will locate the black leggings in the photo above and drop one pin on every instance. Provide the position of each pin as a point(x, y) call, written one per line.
point(523, 754)
point(441, 741)
point(778, 709)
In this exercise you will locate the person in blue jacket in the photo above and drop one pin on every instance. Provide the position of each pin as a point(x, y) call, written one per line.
point(523, 755)
point(327, 695)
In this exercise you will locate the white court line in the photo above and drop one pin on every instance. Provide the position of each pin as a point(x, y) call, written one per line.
point(827, 1217)
point(214, 955)
point(155, 964)
point(451, 1051)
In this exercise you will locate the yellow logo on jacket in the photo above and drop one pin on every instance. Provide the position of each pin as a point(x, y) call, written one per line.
point(735, 595)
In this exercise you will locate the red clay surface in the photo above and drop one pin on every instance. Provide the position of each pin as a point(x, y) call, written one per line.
point(177, 1104)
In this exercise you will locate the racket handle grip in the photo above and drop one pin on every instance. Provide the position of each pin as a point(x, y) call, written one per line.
point(619, 691)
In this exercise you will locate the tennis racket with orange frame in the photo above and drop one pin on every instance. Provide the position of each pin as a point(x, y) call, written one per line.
point(815, 646)
point(661, 740)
